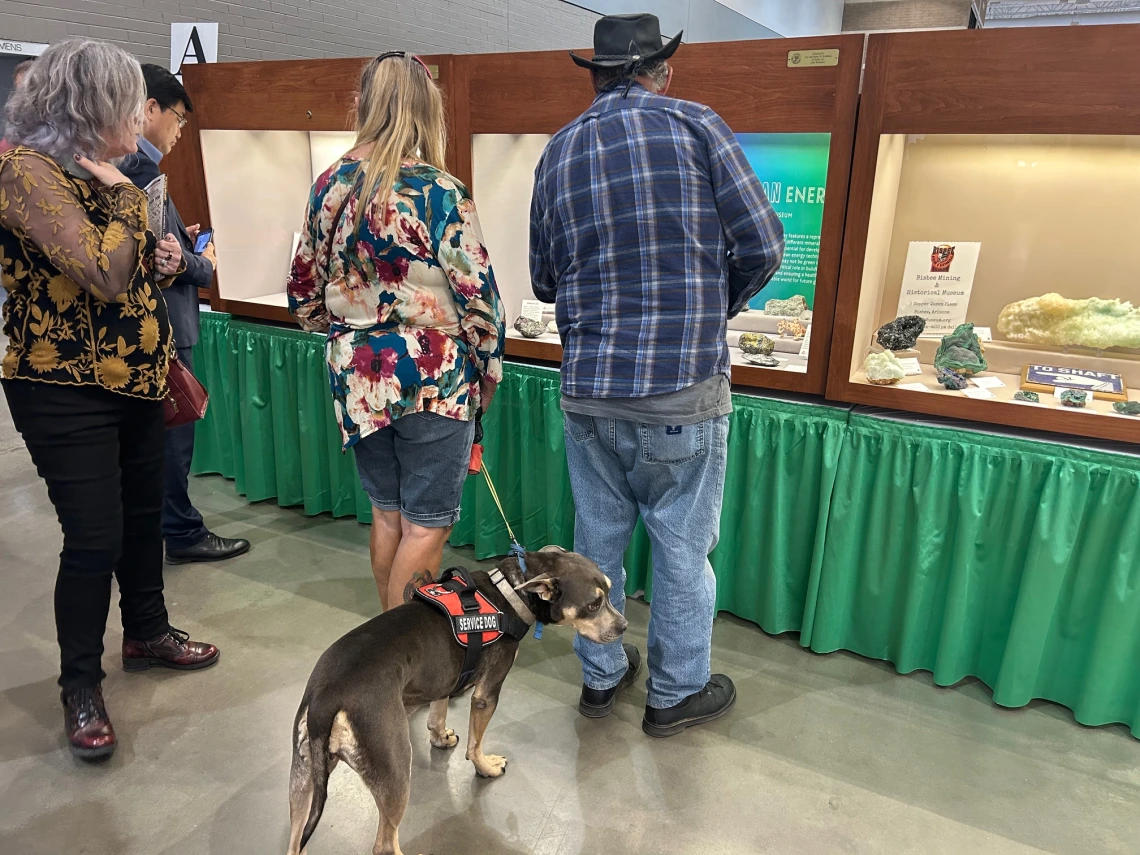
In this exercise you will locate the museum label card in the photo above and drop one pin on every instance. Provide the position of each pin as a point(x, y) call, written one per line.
point(984, 333)
point(937, 282)
point(910, 366)
point(913, 387)
point(796, 369)
point(806, 346)
point(975, 392)
point(532, 309)
point(987, 382)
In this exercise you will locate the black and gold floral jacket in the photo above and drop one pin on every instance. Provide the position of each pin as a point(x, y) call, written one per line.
point(83, 305)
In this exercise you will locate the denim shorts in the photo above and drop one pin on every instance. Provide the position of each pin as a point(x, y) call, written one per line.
point(417, 466)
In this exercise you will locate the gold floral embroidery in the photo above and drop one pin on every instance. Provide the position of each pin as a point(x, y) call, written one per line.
point(43, 357)
point(148, 335)
point(63, 292)
point(59, 238)
point(113, 372)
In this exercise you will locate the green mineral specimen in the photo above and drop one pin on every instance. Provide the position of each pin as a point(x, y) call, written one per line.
point(1074, 398)
point(1058, 321)
point(1127, 408)
point(756, 343)
point(883, 369)
point(1030, 397)
point(961, 352)
point(793, 307)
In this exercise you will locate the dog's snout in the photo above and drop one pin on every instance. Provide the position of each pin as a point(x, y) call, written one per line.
point(621, 625)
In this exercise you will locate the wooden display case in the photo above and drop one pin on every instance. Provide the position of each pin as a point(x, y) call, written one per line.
point(508, 105)
point(259, 133)
point(1020, 147)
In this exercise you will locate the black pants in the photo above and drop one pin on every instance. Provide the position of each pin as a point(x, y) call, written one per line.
point(181, 523)
point(101, 455)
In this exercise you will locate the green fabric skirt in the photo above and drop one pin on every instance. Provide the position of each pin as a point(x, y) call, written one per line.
point(954, 551)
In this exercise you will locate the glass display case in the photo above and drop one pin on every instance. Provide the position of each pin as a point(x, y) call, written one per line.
point(795, 123)
point(985, 272)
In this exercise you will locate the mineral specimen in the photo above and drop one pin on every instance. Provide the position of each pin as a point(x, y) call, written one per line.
point(901, 333)
point(883, 369)
point(793, 307)
point(761, 360)
point(1127, 408)
point(950, 379)
point(793, 329)
point(528, 328)
point(961, 351)
point(552, 327)
point(1031, 397)
point(1055, 320)
point(1074, 398)
point(757, 344)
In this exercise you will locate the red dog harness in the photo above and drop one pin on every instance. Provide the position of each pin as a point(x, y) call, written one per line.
point(475, 621)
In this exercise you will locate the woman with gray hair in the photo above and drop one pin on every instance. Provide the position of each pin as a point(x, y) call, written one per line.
point(85, 370)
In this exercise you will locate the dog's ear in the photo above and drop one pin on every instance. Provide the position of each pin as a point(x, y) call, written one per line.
point(552, 548)
point(544, 586)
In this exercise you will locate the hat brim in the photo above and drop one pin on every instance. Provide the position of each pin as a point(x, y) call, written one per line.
point(666, 51)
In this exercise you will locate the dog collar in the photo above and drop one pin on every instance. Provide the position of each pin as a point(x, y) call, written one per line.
point(513, 599)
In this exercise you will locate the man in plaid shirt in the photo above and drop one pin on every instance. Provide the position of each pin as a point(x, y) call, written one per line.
point(649, 230)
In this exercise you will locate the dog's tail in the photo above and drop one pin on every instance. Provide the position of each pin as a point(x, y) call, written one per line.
point(319, 730)
point(320, 769)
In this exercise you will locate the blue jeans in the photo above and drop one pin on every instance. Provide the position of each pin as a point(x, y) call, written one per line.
point(674, 478)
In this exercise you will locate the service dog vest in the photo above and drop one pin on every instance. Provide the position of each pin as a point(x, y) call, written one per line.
point(475, 621)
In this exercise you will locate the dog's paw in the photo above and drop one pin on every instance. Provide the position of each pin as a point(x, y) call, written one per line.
point(491, 766)
point(447, 739)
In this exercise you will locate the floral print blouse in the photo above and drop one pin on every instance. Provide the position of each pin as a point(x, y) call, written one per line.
point(409, 301)
point(83, 307)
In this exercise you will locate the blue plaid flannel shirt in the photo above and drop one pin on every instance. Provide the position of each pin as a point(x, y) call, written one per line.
point(648, 230)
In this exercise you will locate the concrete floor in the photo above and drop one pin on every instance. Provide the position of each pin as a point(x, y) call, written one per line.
point(823, 754)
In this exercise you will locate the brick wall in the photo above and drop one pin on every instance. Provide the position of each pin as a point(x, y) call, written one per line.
point(295, 29)
point(905, 14)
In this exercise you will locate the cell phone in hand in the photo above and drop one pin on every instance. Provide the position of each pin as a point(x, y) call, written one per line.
point(203, 241)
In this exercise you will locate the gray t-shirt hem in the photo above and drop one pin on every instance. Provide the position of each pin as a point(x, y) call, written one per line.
point(697, 403)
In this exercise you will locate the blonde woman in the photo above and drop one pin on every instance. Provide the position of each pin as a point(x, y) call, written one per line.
point(85, 370)
point(392, 265)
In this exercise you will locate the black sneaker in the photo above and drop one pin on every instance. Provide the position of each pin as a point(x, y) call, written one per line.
point(599, 703)
point(710, 703)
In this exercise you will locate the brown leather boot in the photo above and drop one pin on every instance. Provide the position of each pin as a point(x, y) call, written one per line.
point(89, 731)
point(172, 649)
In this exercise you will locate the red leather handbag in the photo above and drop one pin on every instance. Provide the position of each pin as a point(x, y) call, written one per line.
point(186, 398)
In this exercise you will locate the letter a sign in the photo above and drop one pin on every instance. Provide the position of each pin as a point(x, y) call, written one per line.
point(191, 44)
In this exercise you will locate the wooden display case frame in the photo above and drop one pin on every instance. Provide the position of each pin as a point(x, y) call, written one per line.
point(754, 87)
point(1037, 80)
point(287, 95)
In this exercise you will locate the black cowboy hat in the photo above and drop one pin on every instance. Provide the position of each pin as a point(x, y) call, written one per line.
point(627, 40)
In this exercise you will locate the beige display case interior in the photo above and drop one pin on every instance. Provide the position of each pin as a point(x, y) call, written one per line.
point(257, 184)
point(502, 183)
point(1052, 214)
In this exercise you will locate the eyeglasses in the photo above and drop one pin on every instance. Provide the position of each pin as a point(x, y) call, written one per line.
point(182, 120)
point(402, 54)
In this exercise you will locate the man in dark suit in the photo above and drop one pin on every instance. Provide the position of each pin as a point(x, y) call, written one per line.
point(186, 535)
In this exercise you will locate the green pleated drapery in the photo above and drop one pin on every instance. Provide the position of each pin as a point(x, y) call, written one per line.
point(957, 552)
point(965, 554)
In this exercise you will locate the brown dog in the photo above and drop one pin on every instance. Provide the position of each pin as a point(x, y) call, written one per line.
point(357, 702)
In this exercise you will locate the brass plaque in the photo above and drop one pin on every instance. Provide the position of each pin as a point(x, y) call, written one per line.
point(813, 58)
point(434, 69)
